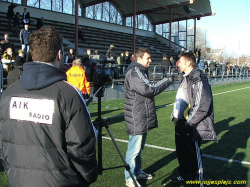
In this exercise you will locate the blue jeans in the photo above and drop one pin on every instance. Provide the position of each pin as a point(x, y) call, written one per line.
point(133, 156)
point(164, 73)
point(25, 48)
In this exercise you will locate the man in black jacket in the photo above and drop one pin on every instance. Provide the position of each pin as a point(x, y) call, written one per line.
point(46, 134)
point(16, 73)
point(26, 16)
point(193, 118)
point(5, 44)
point(10, 14)
point(70, 57)
point(139, 111)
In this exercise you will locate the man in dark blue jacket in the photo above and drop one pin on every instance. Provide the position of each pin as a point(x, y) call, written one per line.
point(24, 38)
point(193, 118)
point(139, 111)
point(46, 135)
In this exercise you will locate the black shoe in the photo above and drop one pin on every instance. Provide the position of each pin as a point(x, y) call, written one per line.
point(178, 179)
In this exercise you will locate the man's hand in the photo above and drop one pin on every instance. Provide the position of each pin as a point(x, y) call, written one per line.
point(188, 127)
point(87, 96)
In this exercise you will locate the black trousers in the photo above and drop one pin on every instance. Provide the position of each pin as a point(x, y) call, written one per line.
point(188, 152)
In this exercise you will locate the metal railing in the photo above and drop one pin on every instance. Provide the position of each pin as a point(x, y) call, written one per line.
point(156, 73)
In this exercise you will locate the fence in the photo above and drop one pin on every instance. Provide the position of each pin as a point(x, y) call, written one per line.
point(156, 73)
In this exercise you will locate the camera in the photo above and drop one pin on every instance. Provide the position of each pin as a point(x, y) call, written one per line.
point(100, 75)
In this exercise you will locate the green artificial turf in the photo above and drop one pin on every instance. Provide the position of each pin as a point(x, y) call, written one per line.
point(232, 124)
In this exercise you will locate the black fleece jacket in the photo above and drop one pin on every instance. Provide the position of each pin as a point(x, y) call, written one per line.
point(46, 135)
point(139, 105)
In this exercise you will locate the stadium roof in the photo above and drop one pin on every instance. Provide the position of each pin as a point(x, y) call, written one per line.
point(158, 11)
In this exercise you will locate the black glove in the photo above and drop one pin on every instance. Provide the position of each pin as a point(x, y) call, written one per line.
point(188, 127)
point(87, 96)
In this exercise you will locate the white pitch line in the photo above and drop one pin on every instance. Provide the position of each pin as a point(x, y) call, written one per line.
point(173, 103)
point(231, 91)
point(169, 149)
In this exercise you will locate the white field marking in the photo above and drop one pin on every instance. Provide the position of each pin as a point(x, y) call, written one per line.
point(169, 149)
point(172, 150)
point(231, 91)
point(173, 103)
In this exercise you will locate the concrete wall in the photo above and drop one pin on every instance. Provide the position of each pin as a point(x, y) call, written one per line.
point(118, 91)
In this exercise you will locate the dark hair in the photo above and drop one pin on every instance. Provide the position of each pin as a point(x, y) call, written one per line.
point(190, 57)
point(140, 53)
point(45, 44)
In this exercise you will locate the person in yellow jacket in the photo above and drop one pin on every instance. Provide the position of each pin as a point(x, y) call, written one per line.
point(8, 60)
point(76, 76)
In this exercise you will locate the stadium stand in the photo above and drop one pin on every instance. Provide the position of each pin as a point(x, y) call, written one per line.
point(95, 38)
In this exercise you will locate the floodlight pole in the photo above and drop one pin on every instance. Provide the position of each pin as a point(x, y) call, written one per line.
point(134, 25)
point(194, 34)
point(76, 26)
point(170, 32)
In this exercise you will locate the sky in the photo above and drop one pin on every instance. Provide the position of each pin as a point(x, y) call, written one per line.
point(229, 28)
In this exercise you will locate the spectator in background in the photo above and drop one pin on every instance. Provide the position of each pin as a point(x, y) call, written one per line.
point(16, 23)
point(8, 59)
point(201, 66)
point(26, 16)
point(206, 67)
point(223, 69)
point(198, 55)
point(17, 72)
point(111, 53)
point(165, 65)
point(24, 37)
point(173, 62)
point(86, 61)
point(96, 52)
point(10, 14)
point(228, 68)
point(80, 34)
point(39, 23)
point(76, 76)
point(212, 68)
point(127, 57)
point(70, 57)
point(132, 58)
point(127, 60)
point(7, 44)
point(181, 52)
point(121, 61)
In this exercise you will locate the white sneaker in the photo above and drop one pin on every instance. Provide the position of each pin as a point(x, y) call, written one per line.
point(144, 176)
point(132, 184)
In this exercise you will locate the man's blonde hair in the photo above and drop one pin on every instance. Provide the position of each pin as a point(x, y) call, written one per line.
point(76, 62)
